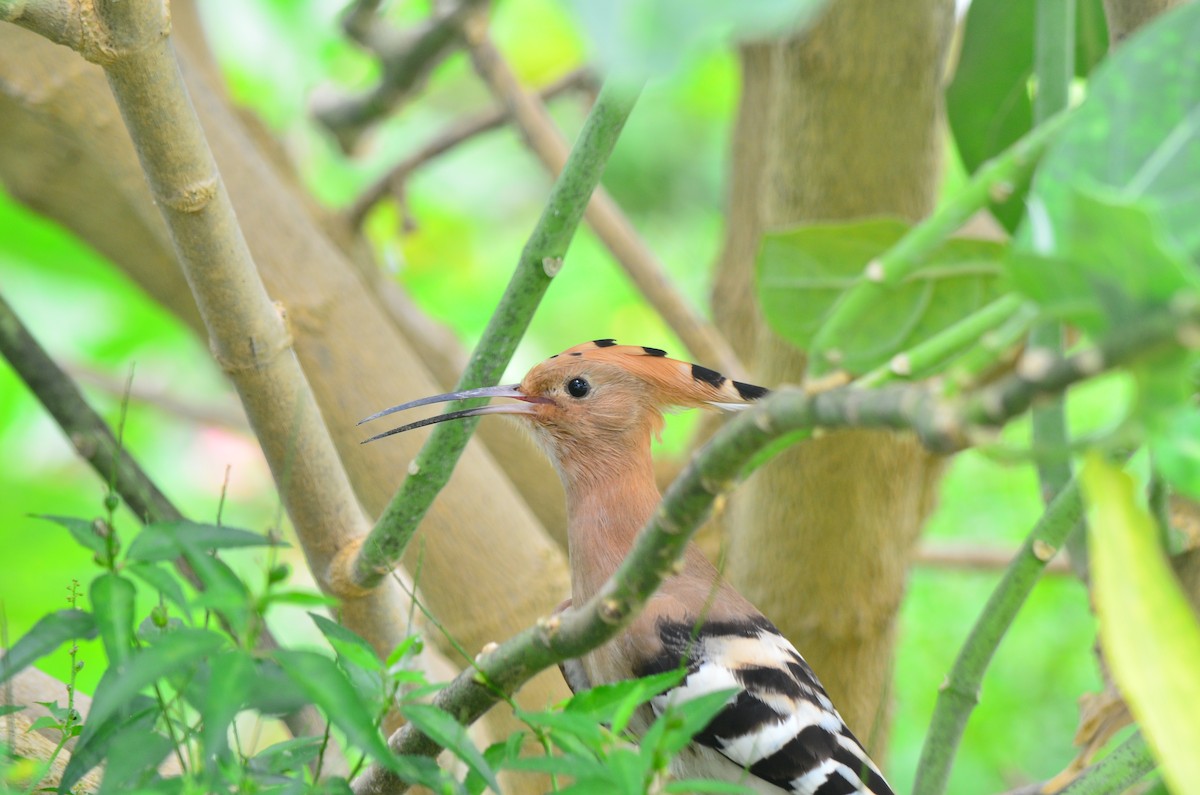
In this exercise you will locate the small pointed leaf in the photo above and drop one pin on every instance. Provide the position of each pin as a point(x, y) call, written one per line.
point(47, 635)
point(452, 735)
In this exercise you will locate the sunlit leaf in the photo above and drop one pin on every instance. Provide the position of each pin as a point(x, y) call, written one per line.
point(681, 721)
point(802, 272)
point(347, 644)
point(452, 735)
point(47, 635)
point(1150, 635)
point(113, 599)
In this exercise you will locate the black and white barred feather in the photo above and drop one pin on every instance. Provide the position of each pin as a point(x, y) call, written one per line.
point(781, 729)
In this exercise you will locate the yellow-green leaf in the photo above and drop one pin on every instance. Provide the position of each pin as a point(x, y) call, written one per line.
point(1149, 633)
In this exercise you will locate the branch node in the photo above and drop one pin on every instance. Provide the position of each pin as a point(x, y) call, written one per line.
point(487, 649)
point(1035, 364)
point(1188, 335)
point(1000, 192)
point(552, 265)
point(875, 272)
point(1043, 551)
point(550, 625)
point(1090, 362)
point(339, 578)
point(901, 364)
point(192, 198)
point(610, 611)
point(414, 468)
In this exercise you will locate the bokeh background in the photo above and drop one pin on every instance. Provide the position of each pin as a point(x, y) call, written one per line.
point(468, 213)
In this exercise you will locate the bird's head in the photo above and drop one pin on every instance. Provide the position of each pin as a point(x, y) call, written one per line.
point(597, 401)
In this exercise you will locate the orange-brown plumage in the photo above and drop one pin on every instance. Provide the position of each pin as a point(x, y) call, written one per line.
point(595, 408)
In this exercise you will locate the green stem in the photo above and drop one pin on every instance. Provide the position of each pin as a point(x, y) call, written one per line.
point(1054, 68)
point(960, 692)
point(916, 362)
point(983, 358)
point(1128, 763)
point(540, 261)
point(942, 424)
point(890, 268)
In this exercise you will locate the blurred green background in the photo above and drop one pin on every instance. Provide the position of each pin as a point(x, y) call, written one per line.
point(472, 210)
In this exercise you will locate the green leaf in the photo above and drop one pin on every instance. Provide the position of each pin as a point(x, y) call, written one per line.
point(452, 735)
point(1106, 261)
point(649, 38)
point(1175, 445)
point(47, 635)
point(113, 598)
point(1137, 133)
point(82, 530)
point(989, 104)
point(287, 756)
point(320, 679)
point(497, 755)
point(93, 744)
point(708, 785)
point(347, 644)
point(681, 721)
point(133, 759)
point(615, 703)
point(231, 676)
point(9, 709)
point(1150, 635)
point(803, 271)
point(160, 541)
point(122, 681)
point(160, 579)
point(300, 599)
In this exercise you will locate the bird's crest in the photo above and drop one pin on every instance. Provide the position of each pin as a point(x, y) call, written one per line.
point(678, 382)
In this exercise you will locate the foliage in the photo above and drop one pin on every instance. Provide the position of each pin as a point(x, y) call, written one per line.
point(182, 677)
point(1105, 237)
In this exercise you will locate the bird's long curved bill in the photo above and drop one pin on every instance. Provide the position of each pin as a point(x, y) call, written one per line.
point(509, 391)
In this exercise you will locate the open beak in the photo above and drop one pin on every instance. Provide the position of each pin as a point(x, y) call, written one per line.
point(509, 391)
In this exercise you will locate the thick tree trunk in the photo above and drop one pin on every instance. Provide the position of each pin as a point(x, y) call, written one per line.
point(65, 153)
point(842, 122)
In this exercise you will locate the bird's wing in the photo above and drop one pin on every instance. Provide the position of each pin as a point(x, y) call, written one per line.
point(781, 725)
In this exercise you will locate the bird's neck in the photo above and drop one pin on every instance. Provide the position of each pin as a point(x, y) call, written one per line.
point(606, 507)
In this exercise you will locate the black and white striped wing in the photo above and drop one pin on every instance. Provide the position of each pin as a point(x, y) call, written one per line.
point(781, 728)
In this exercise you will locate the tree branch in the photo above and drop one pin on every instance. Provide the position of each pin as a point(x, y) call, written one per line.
point(543, 138)
point(943, 425)
point(407, 59)
point(539, 262)
point(884, 273)
point(393, 181)
point(247, 333)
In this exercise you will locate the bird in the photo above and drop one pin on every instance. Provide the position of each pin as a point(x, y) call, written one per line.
point(594, 409)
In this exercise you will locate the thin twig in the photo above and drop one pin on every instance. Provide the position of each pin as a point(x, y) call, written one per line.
point(540, 261)
point(960, 557)
point(943, 425)
point(541, 134)
point(221, 412)
point(407, 59)
point(1127, 764)
point(463, 130)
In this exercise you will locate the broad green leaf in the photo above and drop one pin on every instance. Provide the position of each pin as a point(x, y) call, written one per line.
point(82, 530)
point(113, 599)
point(47, 635)
point(9, 709)
point(989, 104)
point(93, 744)
point(570, 732)
point(802, 272)
point(1104, 262)
point(223, 591)
point(171, 654)
point(165, 540)
point(708, 785)
point(231, 676)
point(320, 679)
point(449, 733)
point(1150, 635)
point(647, 38)
point(1137, 133)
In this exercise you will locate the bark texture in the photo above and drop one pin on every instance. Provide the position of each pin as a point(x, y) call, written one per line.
point(841, 122)
point(65, 153)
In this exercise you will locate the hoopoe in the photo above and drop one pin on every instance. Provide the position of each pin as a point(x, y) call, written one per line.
point(594, 408)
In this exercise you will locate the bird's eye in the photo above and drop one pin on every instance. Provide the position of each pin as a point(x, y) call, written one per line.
point(578, 387)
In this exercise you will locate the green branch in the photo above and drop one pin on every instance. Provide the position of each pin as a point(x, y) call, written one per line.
point(540, 260)
point(943, 425)
point(1054, 68)
point(960, 692)
point(1127, 764)
point(889, 270)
